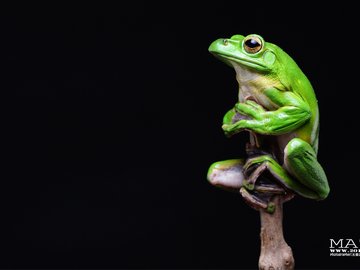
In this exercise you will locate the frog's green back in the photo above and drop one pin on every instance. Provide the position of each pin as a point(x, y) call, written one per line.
point(296, 81)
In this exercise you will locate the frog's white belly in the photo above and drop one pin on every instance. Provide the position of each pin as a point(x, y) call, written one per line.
point(251, 86)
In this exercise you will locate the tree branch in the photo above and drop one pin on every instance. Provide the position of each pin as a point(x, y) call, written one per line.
point(275, 253)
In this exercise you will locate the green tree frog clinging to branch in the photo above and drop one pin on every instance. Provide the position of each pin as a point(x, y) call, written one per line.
point(278, 106)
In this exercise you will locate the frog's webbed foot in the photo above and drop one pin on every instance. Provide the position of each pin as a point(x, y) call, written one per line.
point(260, 185)
point(262, 195)
point(253, 200)
point(251, 178)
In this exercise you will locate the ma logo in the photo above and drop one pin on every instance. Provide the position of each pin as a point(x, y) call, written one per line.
point(343, 243)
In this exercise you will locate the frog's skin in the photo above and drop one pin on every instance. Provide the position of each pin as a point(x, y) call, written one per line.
point(277, 104)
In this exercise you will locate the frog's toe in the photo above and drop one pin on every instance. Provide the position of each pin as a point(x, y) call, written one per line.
point(251, 162)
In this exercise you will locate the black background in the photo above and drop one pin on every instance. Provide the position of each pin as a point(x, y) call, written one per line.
point(114, 117)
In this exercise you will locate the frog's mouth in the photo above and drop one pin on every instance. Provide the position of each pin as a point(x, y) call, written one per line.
point(230, 59)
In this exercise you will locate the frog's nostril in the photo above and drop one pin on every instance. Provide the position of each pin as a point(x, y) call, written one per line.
point(225, 41)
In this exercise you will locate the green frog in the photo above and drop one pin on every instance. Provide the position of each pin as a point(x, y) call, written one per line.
point(278, 107)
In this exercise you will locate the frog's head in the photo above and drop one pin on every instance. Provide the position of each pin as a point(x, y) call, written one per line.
point(251, 52)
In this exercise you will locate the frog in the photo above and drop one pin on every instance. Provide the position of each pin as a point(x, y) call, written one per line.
point(277, 105)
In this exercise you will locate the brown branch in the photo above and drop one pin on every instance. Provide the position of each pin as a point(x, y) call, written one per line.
point(275, 253)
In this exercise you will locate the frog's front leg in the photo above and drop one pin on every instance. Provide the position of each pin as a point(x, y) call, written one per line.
point(235, 119)
point(233, 116)
point(292, 113)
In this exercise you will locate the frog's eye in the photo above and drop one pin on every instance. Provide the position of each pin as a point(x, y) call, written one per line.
point(252, 44)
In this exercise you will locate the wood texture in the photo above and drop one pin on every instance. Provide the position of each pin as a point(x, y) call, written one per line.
point(275, 253)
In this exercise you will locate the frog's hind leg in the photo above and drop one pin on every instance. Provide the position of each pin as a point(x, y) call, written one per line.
point(300, 160)
point(267, 163)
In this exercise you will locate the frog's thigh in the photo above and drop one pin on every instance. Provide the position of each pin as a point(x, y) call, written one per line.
point(227, 174)
point(300, 160)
